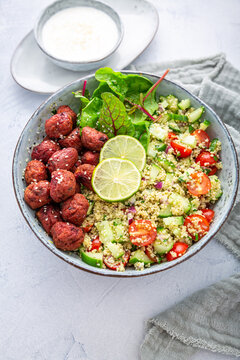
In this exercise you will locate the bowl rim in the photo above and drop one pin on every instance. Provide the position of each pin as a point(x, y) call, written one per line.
point(120, 30)
point(154, 269)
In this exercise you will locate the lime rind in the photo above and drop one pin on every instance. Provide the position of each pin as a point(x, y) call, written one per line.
point(116, 179)
point(124, 147)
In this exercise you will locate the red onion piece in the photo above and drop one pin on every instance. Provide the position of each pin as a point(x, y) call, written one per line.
point(130, 221)
point(167, 149)
point(159, 185)
point(131, 209)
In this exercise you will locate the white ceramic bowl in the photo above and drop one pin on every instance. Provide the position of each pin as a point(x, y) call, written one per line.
point(34, 133)
point(64, 4)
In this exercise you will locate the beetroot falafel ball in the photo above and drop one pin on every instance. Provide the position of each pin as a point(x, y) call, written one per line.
point(35, 171)
point(67, 109)
point(48, 215)
point(83, 174)
point(62, 186)
point(63, 159)
point(67, 237)
point(93, 139)
point(37, 194)
point(90, 157)
point(58, 125)
point(44, 150)
point(73, 140)
point(74, 209)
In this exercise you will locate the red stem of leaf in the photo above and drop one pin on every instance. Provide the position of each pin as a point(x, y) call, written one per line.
point(84, 87)
point(155, 85)
point(142, 109)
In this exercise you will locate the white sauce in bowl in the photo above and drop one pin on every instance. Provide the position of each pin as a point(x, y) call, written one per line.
point(80, 34)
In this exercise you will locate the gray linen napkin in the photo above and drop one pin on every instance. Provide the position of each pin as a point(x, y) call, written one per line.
point(210, 318)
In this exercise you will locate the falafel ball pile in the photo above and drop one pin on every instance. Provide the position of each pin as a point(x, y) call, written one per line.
point(62, 163)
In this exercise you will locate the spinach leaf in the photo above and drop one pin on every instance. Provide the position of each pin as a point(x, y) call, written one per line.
point(136, 85)
point(90, 113)
point(115, 80)
point(102, 87)
point(142, 132)
point(113, 118)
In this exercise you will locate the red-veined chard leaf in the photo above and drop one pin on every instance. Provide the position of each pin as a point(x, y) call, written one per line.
point(113, 118)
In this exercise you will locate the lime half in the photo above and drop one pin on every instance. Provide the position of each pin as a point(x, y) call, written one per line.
point(124, 147)
point(116, 179)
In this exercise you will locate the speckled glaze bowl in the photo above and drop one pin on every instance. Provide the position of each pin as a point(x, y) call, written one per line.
point(64, 4)
point(34, 133)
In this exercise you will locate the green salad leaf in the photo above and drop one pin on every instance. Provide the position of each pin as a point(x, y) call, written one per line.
point(115, 80)
point(121, 104)
point(90, 113)
point(142, 132)
point(113, 118)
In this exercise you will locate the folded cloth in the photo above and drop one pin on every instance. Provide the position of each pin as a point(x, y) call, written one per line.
point(210, 318)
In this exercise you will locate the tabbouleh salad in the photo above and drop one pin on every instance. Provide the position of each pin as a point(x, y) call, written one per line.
point(145, 175)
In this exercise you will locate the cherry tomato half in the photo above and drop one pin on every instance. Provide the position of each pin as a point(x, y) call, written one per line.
point(197, 226)
point(172, 136)
point(205, 158)
point(114, 264)
point(213, 171)
point(87, 228)
point(208, 214)
point(203, 140)
point(178, 249)
point(200, 184)
point(149, 252)
point(142, 232)
point(96, 243)
point(180, 150)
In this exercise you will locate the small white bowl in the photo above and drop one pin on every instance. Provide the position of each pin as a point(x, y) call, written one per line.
point(64, 4)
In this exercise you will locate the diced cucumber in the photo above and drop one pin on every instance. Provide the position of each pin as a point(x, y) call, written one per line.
point(163, 246)
point(184, 104)
point(180, 201)
point(213, 145)
point(90, 208)
point(205, 124)
point(154, 171)
point(195, 115)
point(168, 182)
point(116, 249)
point(151, 150)
point(176, 231)
point(216, 190)
point(154, 147)
point(172, 103)
point(163, 102)
point(165, 212)
point(119, 233)
point(174, 127)
point(166, 164)
point(160, 146)
point(191, 129)
point(173, 221)
point(93, 259)
point(139, 256)
point(178, 117)
point(189, 140)
point(105, 231)
point(158, 131)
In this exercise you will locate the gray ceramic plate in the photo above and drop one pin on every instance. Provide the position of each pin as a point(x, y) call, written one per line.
point(32, 69)
point(34, 133)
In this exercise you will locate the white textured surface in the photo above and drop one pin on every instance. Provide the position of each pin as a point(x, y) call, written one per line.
point(49, 310)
